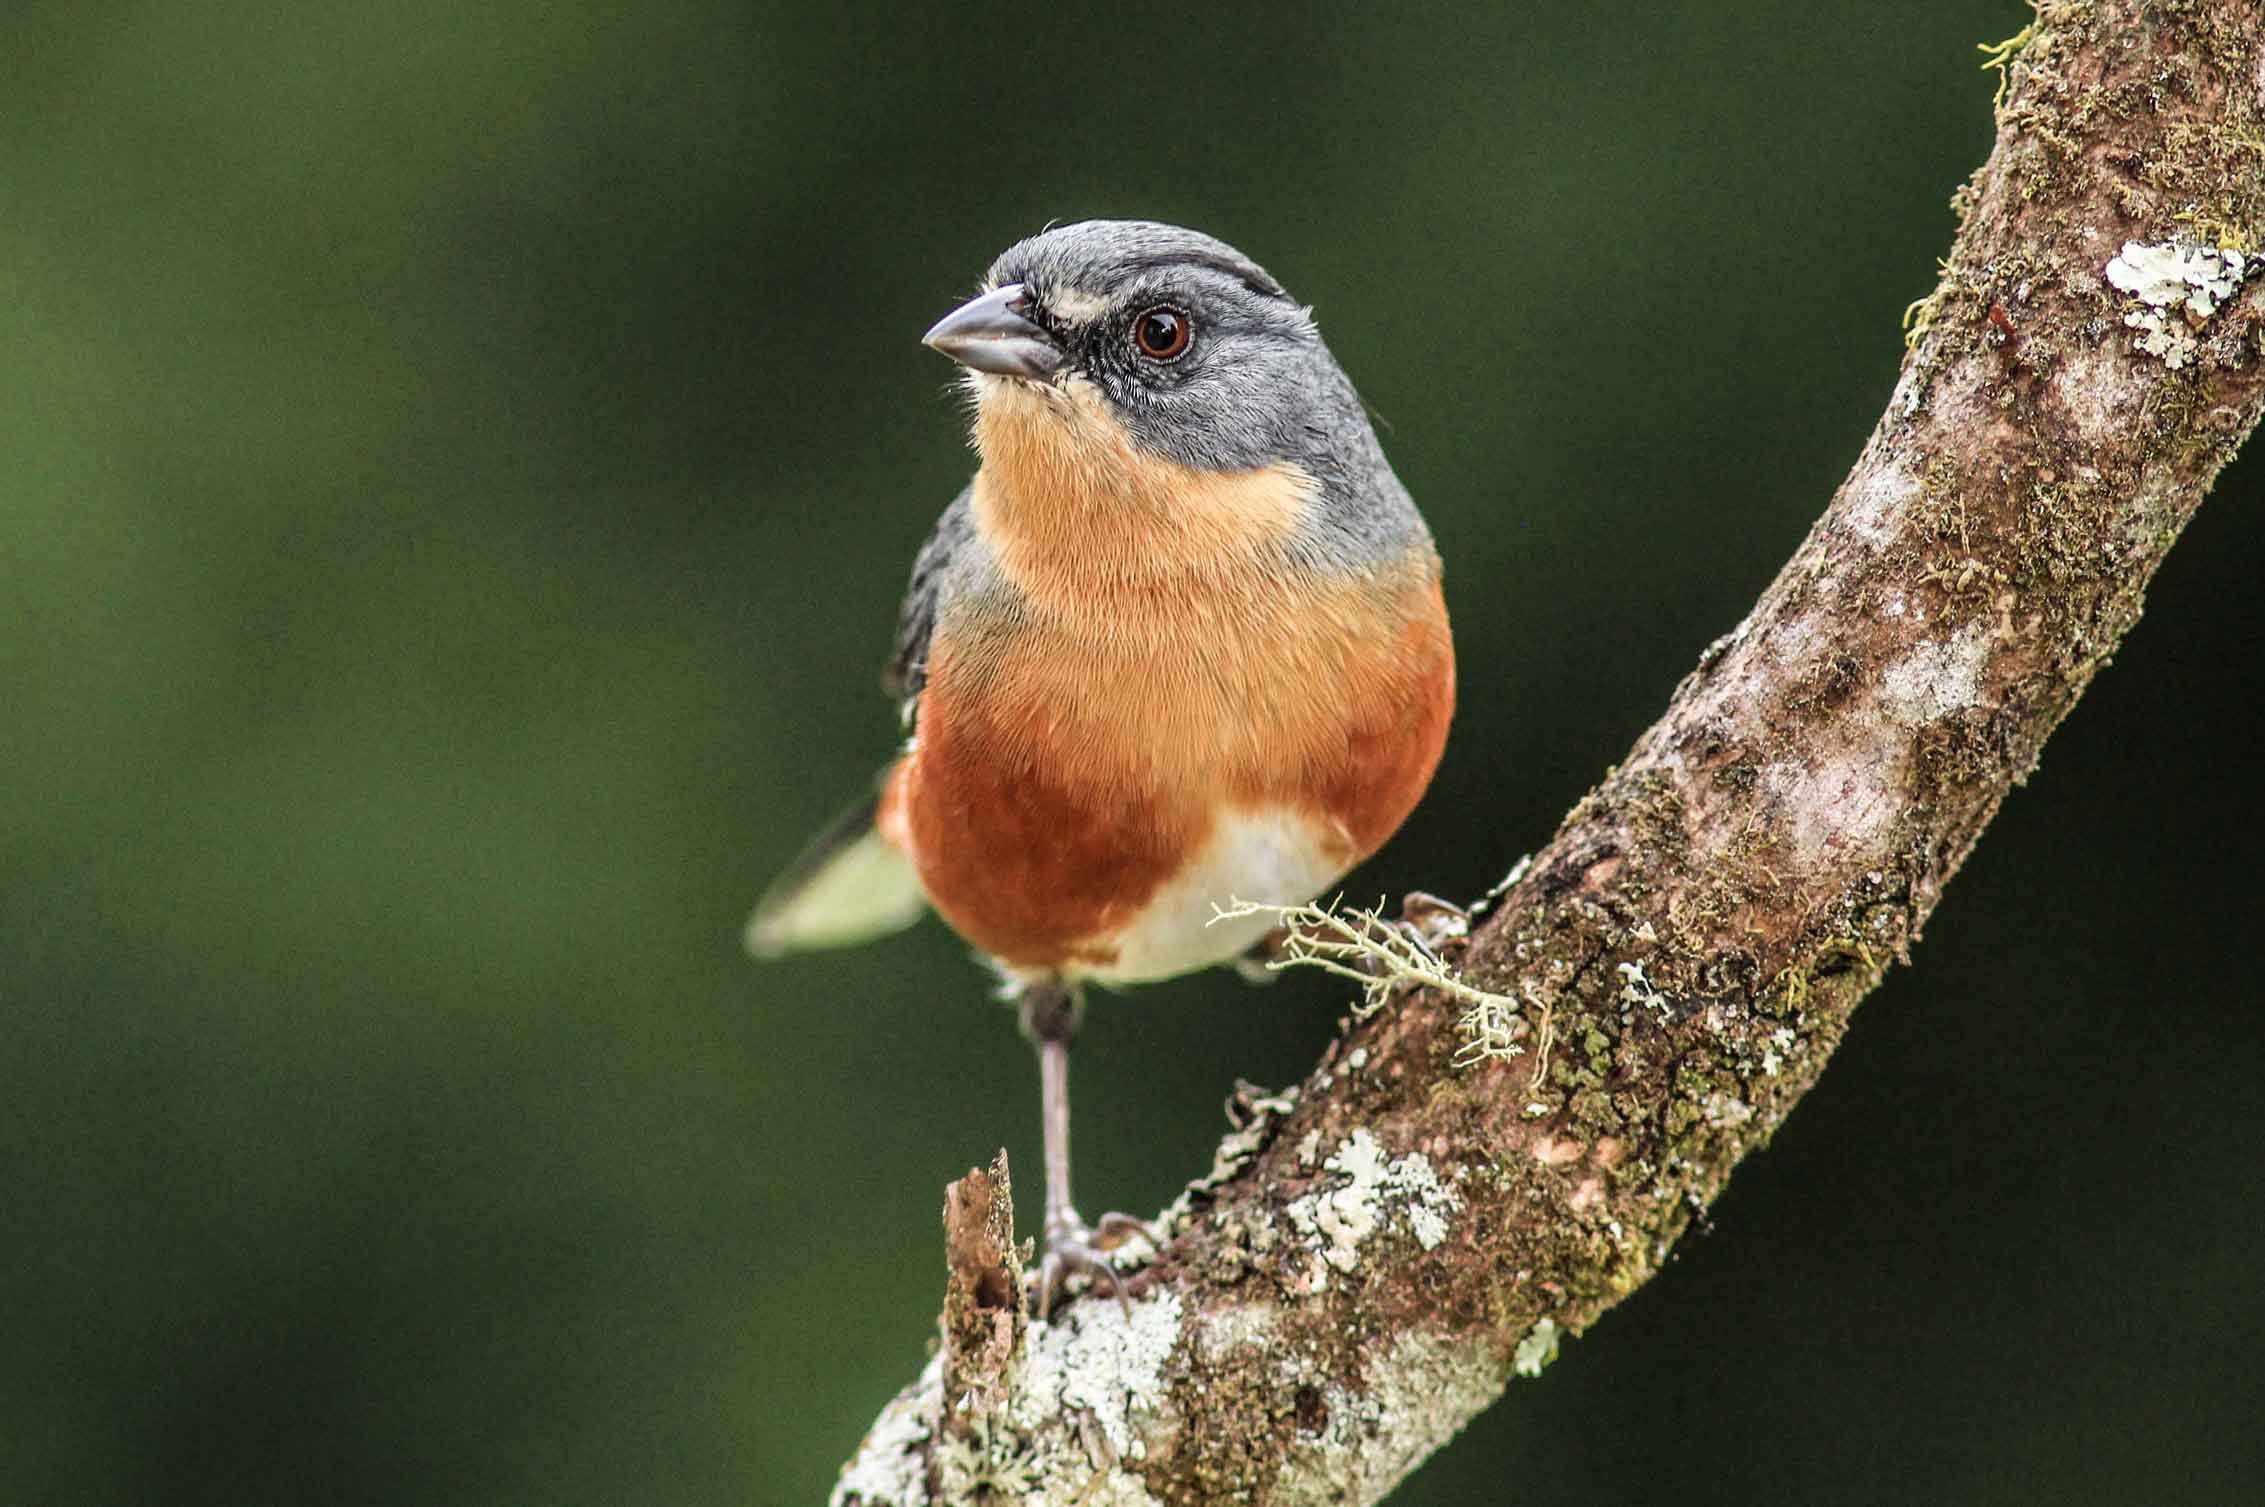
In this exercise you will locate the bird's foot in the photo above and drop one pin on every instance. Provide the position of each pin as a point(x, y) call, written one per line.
point(1075, 1249)
point(1256, 963)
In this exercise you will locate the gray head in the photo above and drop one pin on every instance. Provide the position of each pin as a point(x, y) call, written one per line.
point(1190, 345)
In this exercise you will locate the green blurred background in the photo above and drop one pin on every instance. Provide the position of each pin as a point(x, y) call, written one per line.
point(457, 469)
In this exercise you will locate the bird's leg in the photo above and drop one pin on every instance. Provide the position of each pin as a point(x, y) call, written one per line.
point(1050, 1013)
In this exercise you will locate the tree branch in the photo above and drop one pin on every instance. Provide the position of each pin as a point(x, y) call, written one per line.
point(1376, 1252)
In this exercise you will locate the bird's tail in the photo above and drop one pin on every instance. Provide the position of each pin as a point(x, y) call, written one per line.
point(851, 885)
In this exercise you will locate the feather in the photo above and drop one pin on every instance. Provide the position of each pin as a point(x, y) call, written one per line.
point(851, 886)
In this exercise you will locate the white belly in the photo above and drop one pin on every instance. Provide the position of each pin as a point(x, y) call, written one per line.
point(1265, 857)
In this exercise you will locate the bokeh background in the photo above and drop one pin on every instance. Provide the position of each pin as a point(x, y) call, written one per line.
point(457, 468)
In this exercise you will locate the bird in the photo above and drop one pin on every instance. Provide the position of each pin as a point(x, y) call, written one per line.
point(1180, 643)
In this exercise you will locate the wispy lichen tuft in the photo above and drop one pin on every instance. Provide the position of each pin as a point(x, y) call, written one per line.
point(1384, 958)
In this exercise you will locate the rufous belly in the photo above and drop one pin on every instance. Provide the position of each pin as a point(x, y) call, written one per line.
point(1082, 808)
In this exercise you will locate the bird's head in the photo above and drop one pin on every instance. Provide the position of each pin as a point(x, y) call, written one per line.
point(1132, 336)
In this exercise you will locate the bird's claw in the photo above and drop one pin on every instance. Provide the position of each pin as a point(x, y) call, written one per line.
point(1433, 920)
point(1074, 1249)
point(1113, 1230)
point(1258, 963)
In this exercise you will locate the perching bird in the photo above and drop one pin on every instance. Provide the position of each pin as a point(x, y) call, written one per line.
point(1180, 643)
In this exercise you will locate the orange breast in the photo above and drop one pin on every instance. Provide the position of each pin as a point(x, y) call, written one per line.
point(1061, 776)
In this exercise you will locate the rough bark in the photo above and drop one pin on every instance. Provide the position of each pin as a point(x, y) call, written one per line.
point(1376, 1252)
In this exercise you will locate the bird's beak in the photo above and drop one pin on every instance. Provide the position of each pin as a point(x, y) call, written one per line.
point(989, 334)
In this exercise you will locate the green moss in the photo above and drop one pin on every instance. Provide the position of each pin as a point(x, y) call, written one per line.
point(1593, 1110)
point(1950, 753)
point(1738, 777)
point(1787, 993)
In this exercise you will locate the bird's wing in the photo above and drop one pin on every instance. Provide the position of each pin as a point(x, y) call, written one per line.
point(907, 669)
point(851, 885)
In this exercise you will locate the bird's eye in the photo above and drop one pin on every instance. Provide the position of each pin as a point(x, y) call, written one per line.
point(1162, 333)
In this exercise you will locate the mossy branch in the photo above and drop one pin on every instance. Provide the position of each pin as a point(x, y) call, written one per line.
point(1375, 1253)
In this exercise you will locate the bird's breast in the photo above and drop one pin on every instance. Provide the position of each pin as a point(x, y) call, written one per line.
point(1165, 706)
point(1087, 786)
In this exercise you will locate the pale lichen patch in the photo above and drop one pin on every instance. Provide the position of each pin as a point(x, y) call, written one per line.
point(1336, 1222)
point(2101, 393)
point(1637, 990)
point(1536, 1350)
point(2162, 338)
point(989, 1460)
point(1410, 1399)
point(2169, 275)
point(1875, 502)
point(1429, 1226)
point(1838, 802)
point(1112, 1488)
point(1105, 1361)
point(1218, 1334)
point(889, 1469)
point(2180, 286)
point(1937, 679)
